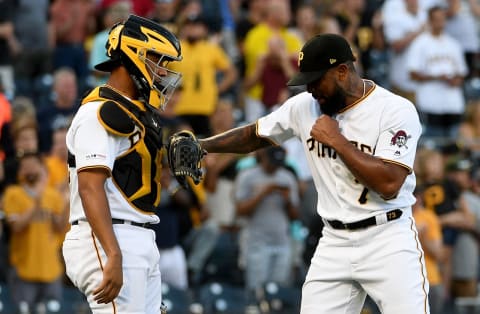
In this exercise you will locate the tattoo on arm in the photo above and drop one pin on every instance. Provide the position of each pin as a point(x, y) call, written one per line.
point(240, 140)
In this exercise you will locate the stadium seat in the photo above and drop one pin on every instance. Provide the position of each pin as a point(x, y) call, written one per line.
point(217, 297)
point(6, 305)
point(276, 298)
point(73, 301)
point(176, 300)
point(222, 265)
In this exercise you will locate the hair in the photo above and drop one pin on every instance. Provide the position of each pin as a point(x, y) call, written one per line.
point(423, 157)
point(29, 154)
point(22, 123)
point(434, 9)
point(21, 106)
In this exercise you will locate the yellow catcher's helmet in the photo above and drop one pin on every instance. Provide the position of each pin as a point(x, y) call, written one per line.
point(142, 47)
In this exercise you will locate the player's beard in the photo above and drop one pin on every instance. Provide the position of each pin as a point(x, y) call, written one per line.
point(334, 103)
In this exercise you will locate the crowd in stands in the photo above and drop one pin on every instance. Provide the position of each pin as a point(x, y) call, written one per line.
point(253, 218)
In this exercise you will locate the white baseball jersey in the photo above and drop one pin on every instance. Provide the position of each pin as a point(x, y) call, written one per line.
point(93, 146)
point(438, 55)
point(397, 25)
point(381, 124)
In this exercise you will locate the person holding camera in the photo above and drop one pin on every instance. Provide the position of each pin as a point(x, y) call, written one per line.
point(267, 197)
point(36, 217)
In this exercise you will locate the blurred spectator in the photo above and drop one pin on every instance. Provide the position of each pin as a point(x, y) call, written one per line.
point(328, 23)
point(113, 14)
point(377, 62)
point(273, 70)
point(173, 263)
point(56, 161)
point(62, 108)
point(469, 129)
point(25, 140)
point(220, 171)
point(277, 18)
point(36, 218)
point(267, 196)
point(430, 235)
point(228, 11)
point(33, 60)
point(436, 62)
point(212, 13)
point(349, 16)
point(462, 25)
point(198, 238)
point(443, 196)
point(5, 120)
point(401, 27)
point(165, 13)
point(140, 7)
point(72, 21)
point(465, 262)
point(187, 9)
point(306, 24)
point(308, 192)
point(9, 46)
point(5, 140)
point(202, 62)
point(253, 14)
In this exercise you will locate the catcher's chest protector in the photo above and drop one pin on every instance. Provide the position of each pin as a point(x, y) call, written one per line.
point(136, 172)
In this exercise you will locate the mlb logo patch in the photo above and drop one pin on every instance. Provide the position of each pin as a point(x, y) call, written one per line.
point(95, 156)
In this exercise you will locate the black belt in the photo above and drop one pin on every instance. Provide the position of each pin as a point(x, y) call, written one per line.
point(116, 221)
point(365, 223)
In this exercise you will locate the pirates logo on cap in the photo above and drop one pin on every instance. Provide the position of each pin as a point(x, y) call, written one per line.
point(300, 57)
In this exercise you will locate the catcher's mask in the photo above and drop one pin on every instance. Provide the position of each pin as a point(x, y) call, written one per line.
point(144, 48)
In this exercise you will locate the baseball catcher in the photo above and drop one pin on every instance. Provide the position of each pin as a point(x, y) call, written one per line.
point(184, 156)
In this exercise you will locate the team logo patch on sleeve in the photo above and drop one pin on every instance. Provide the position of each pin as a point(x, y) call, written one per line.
point(399, 140)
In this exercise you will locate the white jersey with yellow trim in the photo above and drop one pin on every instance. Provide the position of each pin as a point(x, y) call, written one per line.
point(381, 124)
point(94, 147)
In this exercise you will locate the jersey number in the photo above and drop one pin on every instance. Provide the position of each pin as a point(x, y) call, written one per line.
point(363, 197)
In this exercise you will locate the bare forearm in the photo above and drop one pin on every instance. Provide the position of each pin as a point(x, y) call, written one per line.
point(97, 211)
point(434, 249)
point(292, 211)
point(377, 175)
point(247, 207)
point(241, 140)
point(230, 76)
point(18, 223)
point(59, 221)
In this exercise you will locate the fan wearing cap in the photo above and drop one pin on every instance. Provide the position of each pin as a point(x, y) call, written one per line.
point(115, 152)
point(360, 142)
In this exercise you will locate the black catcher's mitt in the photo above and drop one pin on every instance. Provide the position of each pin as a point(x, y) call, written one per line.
point(184, 156)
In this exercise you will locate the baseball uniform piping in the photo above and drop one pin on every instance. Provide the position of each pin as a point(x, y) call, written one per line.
point(360, 99)
point(101, 265)
point(95, 167)
point(264, 137)
point(397, 163)
point(421, 265)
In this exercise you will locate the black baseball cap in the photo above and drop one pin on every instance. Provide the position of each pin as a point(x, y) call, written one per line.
point(318, 55)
